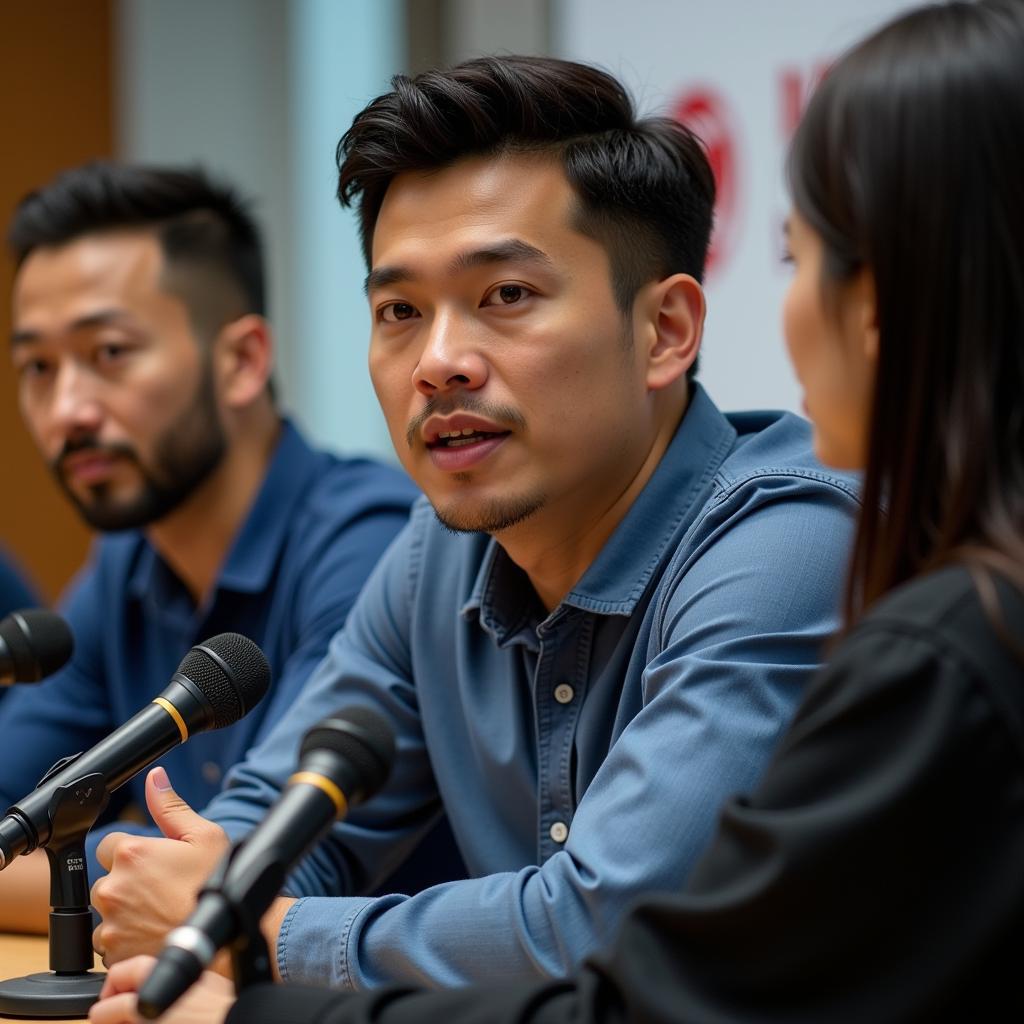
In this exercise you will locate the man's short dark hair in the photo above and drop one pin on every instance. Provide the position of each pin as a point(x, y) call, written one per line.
point(645, 188)
point(213, 256)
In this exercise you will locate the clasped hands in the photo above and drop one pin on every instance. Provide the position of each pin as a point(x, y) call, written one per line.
point(151, 888)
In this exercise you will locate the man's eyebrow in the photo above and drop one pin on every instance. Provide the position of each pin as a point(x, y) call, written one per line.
point(381, 277)
point(513, 250)
point(23, 337)
point(100, 318)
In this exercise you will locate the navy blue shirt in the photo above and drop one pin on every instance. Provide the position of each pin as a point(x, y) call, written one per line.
point(15, 592)
point(315, 531)
point(581, 755)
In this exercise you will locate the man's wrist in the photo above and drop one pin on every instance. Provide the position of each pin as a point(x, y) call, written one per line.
point(273, 919)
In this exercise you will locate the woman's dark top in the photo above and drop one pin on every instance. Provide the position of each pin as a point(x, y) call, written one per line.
point(877, 873)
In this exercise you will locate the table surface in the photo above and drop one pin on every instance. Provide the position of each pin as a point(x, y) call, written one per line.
point(24, 954)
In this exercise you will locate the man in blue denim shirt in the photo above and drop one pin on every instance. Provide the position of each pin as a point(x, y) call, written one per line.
point(602, 622)
point(143, 361)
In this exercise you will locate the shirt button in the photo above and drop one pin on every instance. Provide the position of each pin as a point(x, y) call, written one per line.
point(564, 693)
point(559, 832)
point(211, 772)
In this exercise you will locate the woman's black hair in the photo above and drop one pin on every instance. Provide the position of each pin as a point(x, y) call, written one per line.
point(909, 162)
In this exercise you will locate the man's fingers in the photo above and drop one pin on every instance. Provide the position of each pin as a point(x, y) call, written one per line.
point(127, 976)
point(108, 847)
point(118, 1009)
point(97, 941)
point(207, 1002)
point(173, 816)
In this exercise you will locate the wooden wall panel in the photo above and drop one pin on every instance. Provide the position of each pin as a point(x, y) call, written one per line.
point(55, 111)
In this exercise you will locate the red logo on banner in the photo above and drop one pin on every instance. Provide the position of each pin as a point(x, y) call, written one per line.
point(705, 112)
point(795, 88)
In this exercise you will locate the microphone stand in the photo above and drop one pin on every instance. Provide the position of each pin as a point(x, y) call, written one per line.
point(70, 987)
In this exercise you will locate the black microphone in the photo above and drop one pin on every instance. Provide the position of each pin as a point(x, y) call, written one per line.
point(217, 682)
point(34, 643)
point(343, 761)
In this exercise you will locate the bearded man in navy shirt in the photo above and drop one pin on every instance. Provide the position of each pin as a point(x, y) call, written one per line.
point(143, 360)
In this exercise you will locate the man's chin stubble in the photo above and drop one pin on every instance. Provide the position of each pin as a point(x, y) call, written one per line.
point(107, 516)
point(494, 517)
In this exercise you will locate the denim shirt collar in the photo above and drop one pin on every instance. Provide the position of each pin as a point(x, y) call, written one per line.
point(503, 597)
point(251, 559)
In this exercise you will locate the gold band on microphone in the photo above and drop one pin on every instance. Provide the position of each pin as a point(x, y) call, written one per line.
point(173, 712)
point(324, 785)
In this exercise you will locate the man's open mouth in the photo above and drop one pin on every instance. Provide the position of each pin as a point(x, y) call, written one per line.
point(462, 438)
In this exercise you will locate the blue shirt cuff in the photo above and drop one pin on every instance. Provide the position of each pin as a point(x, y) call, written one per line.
point(315, 934)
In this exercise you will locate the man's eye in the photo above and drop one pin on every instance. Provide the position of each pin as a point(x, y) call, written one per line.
point(111, 353)
point(395, 311)
point(33, 368)
point(506, 295)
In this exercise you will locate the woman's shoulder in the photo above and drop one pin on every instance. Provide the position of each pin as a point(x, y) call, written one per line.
point(940, 627)
point(949, 606)
point(929, 600)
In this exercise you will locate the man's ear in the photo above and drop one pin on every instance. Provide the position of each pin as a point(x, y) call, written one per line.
point(243, 353)
point(671, 324)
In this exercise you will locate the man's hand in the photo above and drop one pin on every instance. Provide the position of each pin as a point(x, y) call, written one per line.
point(207, 1002)
point(153, 883)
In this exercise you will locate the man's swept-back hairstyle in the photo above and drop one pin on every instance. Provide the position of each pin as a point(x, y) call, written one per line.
point(644, 187)
point(909, 162)
point(212, 248)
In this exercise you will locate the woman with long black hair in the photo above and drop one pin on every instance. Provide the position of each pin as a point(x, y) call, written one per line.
point(877, 873)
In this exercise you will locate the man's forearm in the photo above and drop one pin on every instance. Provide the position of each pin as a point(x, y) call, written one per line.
point(271, 926)
point(25, 895)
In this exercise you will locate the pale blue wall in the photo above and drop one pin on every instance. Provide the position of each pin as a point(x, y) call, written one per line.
point(259, 91)
point(338, 63)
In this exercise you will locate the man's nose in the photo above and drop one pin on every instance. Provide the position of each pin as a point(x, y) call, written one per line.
point(451, 358)
point(76, 406)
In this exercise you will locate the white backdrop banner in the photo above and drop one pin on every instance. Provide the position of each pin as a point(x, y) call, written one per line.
point(739, 72)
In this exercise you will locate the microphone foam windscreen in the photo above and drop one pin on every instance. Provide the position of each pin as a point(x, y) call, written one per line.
point(40, 642)
point(231, 671)
point(362, 737)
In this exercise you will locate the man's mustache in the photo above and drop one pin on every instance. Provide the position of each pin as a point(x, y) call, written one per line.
point(73, 446)
point(448, 404)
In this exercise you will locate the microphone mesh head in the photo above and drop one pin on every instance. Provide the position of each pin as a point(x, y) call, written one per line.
point(231, 671)
point(40, 642)
point(363, 738)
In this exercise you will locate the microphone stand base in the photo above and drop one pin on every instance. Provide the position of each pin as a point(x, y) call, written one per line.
point(50, 996)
